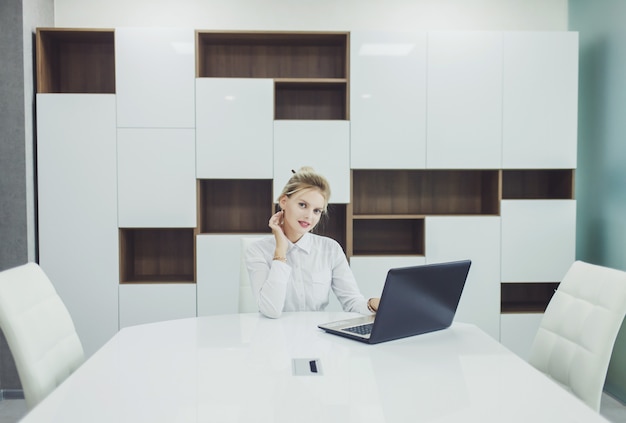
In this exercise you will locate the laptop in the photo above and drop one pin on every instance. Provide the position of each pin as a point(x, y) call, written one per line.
point(415, 300)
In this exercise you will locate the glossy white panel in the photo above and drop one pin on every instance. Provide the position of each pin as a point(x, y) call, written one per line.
point(370, 271)
point(238, 368)
point(538, 239)
point(234, 121)
point(464, 125)
point(540, 100)
point(218, 264)
point(478, 239)
point(324, 145)
point(156, 178)
point(154, 77)
point(388, 99)
point(517, 331)
point(77, 202)
point(148, 303)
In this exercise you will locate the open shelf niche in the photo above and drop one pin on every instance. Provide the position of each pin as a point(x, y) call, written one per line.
point(310, 69)
point(538, 184)
point(161, 255)
point(234, 205)
point(532, 297)
point(75, 60)
point(388, 236)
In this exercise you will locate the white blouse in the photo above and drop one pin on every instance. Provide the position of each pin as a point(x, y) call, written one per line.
point(315, 264)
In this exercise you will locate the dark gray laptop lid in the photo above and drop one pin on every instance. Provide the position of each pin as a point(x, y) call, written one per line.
point(419, 299)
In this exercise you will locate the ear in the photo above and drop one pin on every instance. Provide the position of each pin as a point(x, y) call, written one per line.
point(282, 202)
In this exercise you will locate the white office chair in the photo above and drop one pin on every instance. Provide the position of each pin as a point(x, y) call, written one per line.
point(39, 331)
point(575, 339)
point(247, 303)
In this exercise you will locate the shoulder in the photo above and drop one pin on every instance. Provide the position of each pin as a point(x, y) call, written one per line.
point(325, 242)
point(258, 244)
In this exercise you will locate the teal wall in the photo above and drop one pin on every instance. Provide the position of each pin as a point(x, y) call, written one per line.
point(601, 174)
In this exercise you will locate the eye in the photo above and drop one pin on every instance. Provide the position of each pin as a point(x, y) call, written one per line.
point(318, 211)
point(302, 205)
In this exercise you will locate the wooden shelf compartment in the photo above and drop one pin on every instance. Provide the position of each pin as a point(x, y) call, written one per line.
point(388, 236)
point(75, 60)
point(538, 184)
point(520, 297)
point(234, 205)
point(271, 54)
point(333, 225)
point(311, 100)
point(157, 255)
point(426, 192)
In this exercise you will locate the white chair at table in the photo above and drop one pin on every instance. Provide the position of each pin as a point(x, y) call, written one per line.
point(39, 331)
point(247, 304)
point(575, 339)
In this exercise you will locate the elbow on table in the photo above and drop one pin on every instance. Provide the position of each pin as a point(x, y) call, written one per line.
point(270, 312)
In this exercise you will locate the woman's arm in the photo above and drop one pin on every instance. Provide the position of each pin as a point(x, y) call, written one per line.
point(345, 287)
point(268, 279)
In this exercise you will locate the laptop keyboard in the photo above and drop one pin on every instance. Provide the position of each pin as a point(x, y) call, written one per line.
point(365, 329)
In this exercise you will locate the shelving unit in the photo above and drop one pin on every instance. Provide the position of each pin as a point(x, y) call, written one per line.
point(389, 206)
point(533, 184)
point(75, 61)
point(157, 255)
point(310, 69)
point(401, 195)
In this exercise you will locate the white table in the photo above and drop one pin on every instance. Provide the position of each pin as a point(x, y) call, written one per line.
point(239, 368)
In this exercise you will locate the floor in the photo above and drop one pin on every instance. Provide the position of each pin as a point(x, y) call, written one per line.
point(612, 409)
point(12, 410)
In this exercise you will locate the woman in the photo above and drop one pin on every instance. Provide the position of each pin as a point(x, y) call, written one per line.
point(295, 270)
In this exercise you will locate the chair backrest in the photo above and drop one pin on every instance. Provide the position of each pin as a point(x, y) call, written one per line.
point(576, 336)
point(39, 331)
point(247, 303)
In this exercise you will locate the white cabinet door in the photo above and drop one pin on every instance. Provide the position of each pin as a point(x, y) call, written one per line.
point(388, 99)
point(540, 100)
point(324, 145)
point(371, 271)
point(464, 105)
point(77, 200)
point(156, 178)
point(477, 239)
point(234, 128)
point(538, 239)
point(155, 77)
point(148, 303)
point(518, 330)
point(218, 264)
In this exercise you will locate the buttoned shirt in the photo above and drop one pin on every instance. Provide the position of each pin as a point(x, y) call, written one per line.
point(315, 265)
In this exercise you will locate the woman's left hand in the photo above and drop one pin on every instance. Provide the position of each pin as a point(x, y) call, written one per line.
point(373, 303)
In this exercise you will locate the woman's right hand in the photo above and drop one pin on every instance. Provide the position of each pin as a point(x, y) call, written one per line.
point(276, 224)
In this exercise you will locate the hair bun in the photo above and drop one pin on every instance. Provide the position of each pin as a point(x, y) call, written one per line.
point(305, 169)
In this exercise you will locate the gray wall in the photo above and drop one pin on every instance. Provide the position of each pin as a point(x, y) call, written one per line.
point(13, 217)
point(17, 202)
point(601, 175)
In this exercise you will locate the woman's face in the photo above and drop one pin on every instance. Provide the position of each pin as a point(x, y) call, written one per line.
point(301, 212)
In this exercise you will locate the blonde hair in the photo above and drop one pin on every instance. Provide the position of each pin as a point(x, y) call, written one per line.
point(305, 178)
